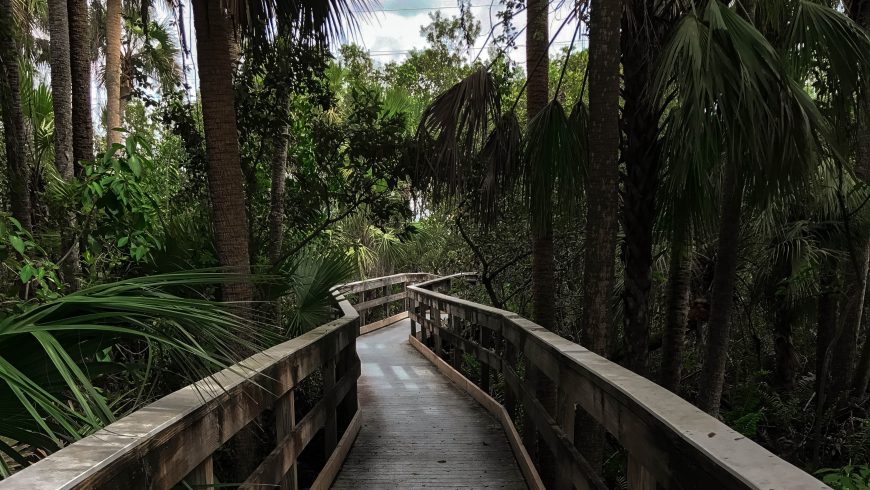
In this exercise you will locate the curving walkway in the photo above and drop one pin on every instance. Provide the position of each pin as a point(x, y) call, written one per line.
point(418, 429)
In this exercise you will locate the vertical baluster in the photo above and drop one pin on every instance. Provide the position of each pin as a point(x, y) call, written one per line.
point(285, 422)
point(330, 428)
point(639, 478)
point(510, 359)
point(362, 313)
point(436, 329)
point(202, 476)
point(456, 328)
point(485, 341)
point(566, 416)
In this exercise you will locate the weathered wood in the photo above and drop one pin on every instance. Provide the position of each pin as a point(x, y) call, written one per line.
point(203, 475)
point(160, 444)
point(279, 461)
point(386, 322)
point(675, 443)
point(380, 300)
point(497, 410)
point(418, 429)
point(333, 465)
point(379, 282)
point(285, 423)
point(638, 477)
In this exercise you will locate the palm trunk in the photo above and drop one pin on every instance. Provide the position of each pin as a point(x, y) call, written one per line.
point(679, 281)
point(61, 89)
point(722, 295)
point(641, 155)
point(113, 72)
point(222, 145)
point(14, 135)
point(846, 342)
point(276, 206)
point(601, 187)
point(80, 68)
point(537, 97)
point(827, 310)
point(785, 357)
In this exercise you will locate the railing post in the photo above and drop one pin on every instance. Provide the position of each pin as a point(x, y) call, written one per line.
point(639, 478)
point(457, 346)
point(510, 398)
point(330, 428)
point(203, 475)
point(566, 417)
point(362, 314)
point(436, 329)
point(485, 337)
point(285, 422)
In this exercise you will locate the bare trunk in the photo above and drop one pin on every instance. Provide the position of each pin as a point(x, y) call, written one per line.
point(601, 187)
point(61, 91)
point(222, 145)
point(679, 280)
point(113, 72)
point(14, 135)
point(846, 342)
point(722, 295)
point(537, 97)
point(826, 325)
point(641, 155)
point(785, 357)
point(80, 69)
point(276, 206)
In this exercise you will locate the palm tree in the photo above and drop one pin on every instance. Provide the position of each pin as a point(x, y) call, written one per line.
point(80, 68)
point(14, 134)
point(537, 98)
point(751, 84)
point(601, 183)
point(113, 71)
point(61, 88)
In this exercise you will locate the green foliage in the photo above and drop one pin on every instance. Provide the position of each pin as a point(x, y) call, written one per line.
point(54, 362)
point(849, 477)
point(23, 259)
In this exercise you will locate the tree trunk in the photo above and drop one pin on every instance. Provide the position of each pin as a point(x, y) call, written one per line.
point(14, 135)
point(276, 206)
point(846, 342)
point(641, 155)
point(537, 97)
point(722, 295)
point(80, 64)
point(61, 96)
point(222, 145)
point(601, 186)
point(679, 281)
point(785, 357)
point(113, 72)
point(827, 310)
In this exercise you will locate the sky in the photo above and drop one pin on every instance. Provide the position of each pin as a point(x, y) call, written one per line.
point(394, 28)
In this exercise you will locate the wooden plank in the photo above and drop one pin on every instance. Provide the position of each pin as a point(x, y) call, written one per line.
point(379, 282)
point(493, 407)
point(677, 443)
point(372, 303)
point(578, 470)
point(333, 465)
point(203, 475)
point(386, 322)
point(160, 444)
point(418, 428)
point(283, 457)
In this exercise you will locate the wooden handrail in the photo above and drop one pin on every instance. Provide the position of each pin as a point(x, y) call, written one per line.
point(670, 443)
point(173, 439)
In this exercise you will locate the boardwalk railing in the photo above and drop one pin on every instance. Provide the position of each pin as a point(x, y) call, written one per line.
point(558, 387)
point(174, 440)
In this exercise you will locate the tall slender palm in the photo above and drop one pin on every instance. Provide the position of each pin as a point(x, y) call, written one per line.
point(537, 97)
point(601, 184)
point(222, 144)
point(80, 69)
point(14, 134)
point(643, 28)
point(61, 88)
point(113, 71)
point(753, 82)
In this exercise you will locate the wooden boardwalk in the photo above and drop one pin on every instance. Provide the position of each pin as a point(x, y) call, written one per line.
point(418, 429)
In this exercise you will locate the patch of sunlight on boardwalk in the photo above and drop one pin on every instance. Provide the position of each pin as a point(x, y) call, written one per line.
point(418, 429)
